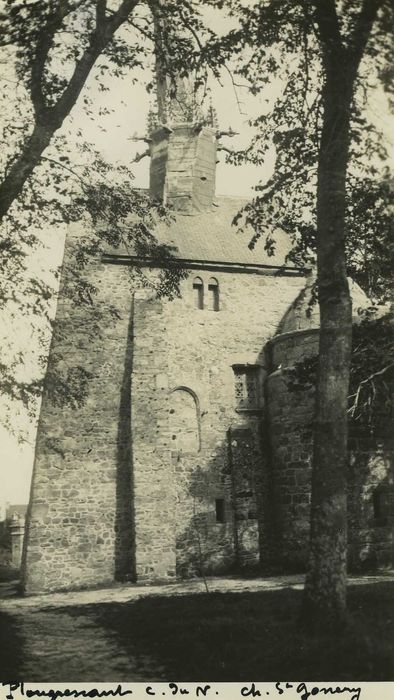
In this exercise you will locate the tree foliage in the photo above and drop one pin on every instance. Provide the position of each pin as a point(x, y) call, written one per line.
point(286, 50)
point(329, 192)
point(57, 46)
point(53, 52)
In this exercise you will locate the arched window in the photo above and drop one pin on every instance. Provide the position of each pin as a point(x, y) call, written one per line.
point(198, 289)
point(184, 420)
point(213, 289)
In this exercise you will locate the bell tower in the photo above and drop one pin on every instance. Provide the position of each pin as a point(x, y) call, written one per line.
point(183, 145)
point(183, 164)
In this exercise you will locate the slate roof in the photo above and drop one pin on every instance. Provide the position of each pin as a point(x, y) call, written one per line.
point(211, 237)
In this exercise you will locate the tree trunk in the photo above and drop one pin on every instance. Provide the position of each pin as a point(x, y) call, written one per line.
point(49, 119)
point(23, 166)
point(325, 588)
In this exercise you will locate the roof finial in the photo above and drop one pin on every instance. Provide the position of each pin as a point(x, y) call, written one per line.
point(179, 96)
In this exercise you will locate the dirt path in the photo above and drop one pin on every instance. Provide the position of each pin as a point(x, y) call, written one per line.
point(83, 636)
point(9, 600)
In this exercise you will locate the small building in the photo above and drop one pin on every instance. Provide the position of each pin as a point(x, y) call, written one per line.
point(12, 530)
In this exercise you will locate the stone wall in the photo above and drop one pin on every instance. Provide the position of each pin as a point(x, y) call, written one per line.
point(78, 523)
point(371, 501)
point(151, 464)
point(289, 428)
point(181, 483)
point(183, 166)
point(114, 494)
point(370, 471)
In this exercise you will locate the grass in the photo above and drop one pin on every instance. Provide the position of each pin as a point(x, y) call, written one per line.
point(227, 637)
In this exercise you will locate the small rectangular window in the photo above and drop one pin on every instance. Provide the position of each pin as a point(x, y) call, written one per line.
point(377, 504)
point(220, 510)
point(247, 393)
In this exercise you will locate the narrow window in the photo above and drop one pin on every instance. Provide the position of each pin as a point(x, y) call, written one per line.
point(220, 511)
point(239, 387)
point(247, 394)
point(213, 289)
point(198, 289)
point(251, 388)
point(377, 504)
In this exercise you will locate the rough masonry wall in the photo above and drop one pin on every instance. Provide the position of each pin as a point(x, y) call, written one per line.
point(79, 521)
point(371, 500)
point(289, 426)
point(116, 491)
point(183, 165)
point(178, 347)
point(370, 471)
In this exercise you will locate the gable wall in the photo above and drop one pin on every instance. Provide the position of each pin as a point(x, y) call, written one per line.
point(125, 485)
point(106, 474)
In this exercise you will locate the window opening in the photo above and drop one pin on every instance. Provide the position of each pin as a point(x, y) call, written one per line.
point(213, 289)
point(247, 394)
point(251, 388)
point(377, 503)
point(220, 510)
point(198, 289)
point(239, 387)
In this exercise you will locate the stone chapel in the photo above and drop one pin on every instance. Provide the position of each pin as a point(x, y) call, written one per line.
point(190, 455)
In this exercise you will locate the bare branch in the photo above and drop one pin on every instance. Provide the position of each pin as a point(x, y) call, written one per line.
point(365, 381)
point(142, 31)
point(239, 103)
point(101, 8)
point(44, 45)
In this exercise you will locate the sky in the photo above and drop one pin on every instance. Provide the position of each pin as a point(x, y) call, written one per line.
point(114, 137)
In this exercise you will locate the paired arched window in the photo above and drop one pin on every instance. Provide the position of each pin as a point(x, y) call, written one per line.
point(198, 289)
point(213, 290)
point(212, 298)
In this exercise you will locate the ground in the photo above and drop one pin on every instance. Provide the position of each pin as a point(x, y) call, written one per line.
point(238, 630)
